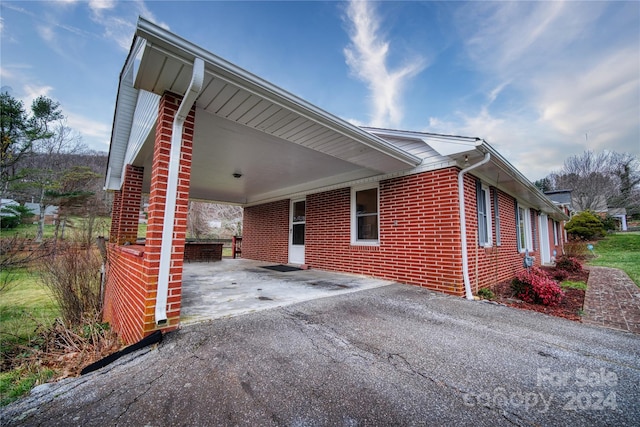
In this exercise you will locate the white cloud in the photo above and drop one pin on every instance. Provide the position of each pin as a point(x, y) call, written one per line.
point(367, 59)
point(94, 133)
point(602, 100)
point(100, 5)
point(46, 33)
point(31, 91)
point(568, 69)
point(119, 23)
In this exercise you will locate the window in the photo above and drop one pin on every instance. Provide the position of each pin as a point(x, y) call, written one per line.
point(523, 221)
point(555, 233)
point(364, 215)
point(484, 214)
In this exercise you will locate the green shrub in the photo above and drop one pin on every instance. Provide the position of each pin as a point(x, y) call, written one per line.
point(486, 293)
point(610, 223)
point(13, 216)
point(585, 226)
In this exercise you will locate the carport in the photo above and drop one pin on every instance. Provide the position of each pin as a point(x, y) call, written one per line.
point(190, 125)
point(212, 290)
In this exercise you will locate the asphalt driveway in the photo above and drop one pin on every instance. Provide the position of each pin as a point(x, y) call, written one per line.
point(393, 355)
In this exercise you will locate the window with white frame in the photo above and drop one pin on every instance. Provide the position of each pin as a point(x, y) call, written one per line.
point(484, 215)
point(525, 238)
point(365, 219)
point(555, 233)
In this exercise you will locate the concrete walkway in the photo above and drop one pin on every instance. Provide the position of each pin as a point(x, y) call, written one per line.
point(612, 300)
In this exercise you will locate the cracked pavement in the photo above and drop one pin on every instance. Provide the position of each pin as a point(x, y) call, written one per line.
point(393, 355)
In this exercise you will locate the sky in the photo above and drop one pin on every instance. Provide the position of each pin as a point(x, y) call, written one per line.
point(539, 81)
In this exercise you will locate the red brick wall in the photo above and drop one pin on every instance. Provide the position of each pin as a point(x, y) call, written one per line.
point(130, 203)
point(132, 279)
point(125, 292)
point(498, 263)
point(201, 251)
point(419, 234)
point(489, 265)
point(265, 232)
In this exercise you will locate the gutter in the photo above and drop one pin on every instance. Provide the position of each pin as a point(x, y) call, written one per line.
point(195, 86)
point(463, 225)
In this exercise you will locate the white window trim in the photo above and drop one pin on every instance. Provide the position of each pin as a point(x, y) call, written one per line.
point(354, 219)
point(488, 203)
point(527, 229)
point(555, 233)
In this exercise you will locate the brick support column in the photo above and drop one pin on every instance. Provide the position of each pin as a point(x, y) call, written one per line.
point(157, 201)
point(130, 199)
point(115, 216)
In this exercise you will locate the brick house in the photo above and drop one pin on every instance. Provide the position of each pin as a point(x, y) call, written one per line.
point(445, 212)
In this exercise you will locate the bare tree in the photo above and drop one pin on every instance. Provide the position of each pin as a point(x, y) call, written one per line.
point(202, 214)
point(625, 170)
point(198, 220)
point(599, 180)
point(44, 170)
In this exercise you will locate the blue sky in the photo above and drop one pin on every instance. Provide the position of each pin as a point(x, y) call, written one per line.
point(540, 81)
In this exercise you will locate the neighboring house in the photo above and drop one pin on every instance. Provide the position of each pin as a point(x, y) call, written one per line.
point(50, 212)
point(564, 200)
point(444, 212)
point(5, 203)
point(620, 214)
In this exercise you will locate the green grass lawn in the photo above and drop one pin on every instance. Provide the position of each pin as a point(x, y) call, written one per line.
point(619, 250)
point(29, 231)
point(24, 306)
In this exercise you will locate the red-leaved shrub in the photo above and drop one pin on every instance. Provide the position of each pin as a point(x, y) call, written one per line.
point(569, 263)
point(534, 286)
point(559, 275)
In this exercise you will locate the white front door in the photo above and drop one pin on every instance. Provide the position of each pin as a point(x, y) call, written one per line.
point(545, 249)
point(296, 231)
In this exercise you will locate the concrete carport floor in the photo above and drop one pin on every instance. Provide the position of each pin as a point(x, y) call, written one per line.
point(211, 290)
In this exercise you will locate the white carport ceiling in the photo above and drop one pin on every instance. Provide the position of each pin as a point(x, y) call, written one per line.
point(279, 143)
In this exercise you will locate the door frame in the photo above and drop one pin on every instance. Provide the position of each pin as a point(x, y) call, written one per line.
point(296, 251)
point(545, 244)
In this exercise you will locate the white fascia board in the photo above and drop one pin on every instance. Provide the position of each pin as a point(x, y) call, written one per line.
point(225, 70)
point(123, 118)
point(543, 203)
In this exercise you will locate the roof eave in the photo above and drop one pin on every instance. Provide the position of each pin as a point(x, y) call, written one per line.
point(178, 46)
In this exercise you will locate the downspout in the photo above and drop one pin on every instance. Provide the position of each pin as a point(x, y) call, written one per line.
point(463, 225)
point(195, 86)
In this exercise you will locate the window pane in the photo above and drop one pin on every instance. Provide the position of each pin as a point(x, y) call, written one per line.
point(368, 227)
point(298, 234)
point(367, 201)
point(299, 211)
point(482, 217)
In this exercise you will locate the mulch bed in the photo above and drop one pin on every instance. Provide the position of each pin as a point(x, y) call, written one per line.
point(570, 308)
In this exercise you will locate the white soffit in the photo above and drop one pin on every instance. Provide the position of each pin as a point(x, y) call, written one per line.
point(236, 95)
